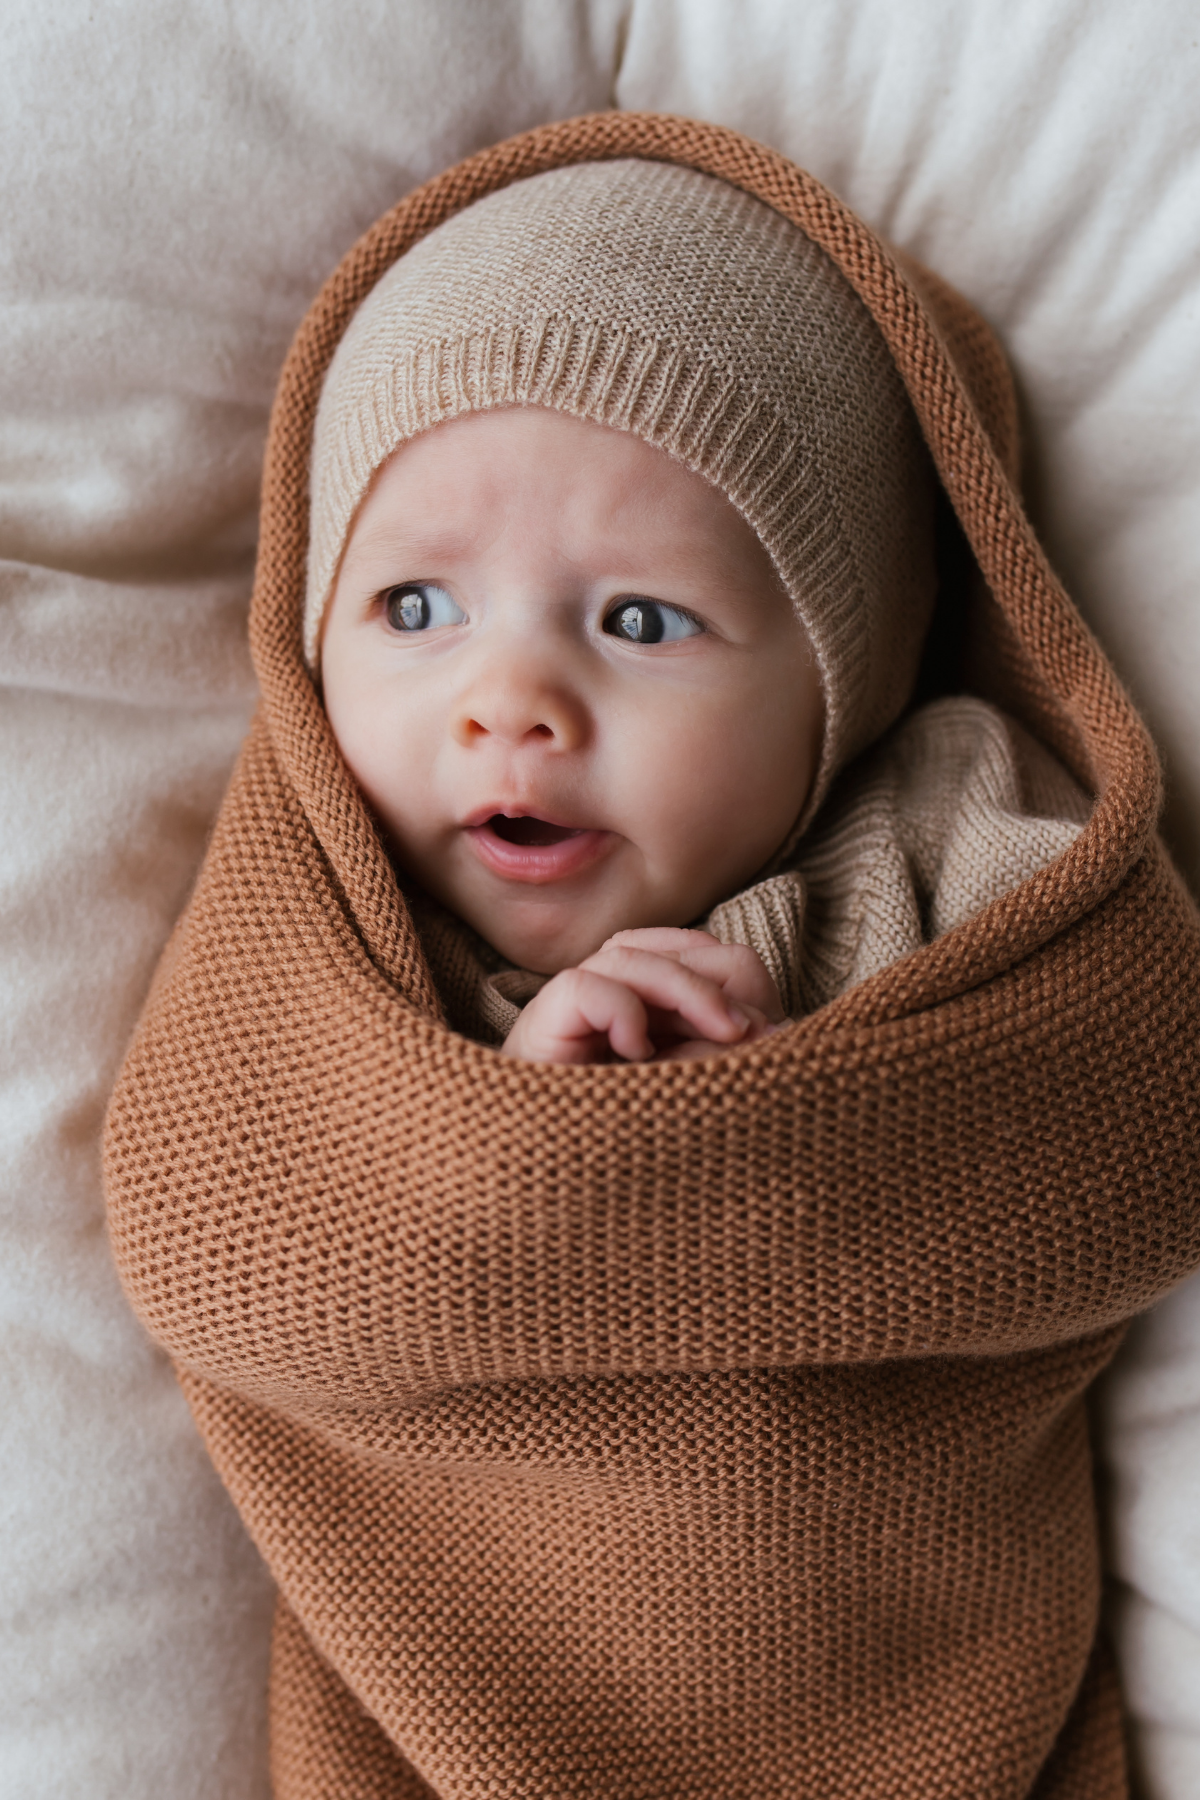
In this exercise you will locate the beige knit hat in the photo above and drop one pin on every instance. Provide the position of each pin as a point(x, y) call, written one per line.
point(657, 300)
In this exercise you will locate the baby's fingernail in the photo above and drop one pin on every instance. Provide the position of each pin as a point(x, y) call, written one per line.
point(739, 1017)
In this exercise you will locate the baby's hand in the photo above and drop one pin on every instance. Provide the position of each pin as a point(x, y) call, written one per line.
point(660, 993)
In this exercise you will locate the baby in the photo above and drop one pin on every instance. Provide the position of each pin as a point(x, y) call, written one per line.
point(596, 629)
point(712, 1422)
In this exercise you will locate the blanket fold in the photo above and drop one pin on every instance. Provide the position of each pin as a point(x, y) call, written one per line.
point(706, 1428)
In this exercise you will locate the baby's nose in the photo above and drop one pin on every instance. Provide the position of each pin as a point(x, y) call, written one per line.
point(520, 705)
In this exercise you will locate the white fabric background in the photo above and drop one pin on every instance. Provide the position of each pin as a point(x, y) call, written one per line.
point(179, 178)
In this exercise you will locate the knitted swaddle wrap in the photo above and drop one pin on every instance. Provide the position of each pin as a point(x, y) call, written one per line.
point(710, 1428)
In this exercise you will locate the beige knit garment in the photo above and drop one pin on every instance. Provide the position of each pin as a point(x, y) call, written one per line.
point(656, 300)
point(958, 806)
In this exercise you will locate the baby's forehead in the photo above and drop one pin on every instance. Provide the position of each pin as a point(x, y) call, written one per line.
point(538, 480)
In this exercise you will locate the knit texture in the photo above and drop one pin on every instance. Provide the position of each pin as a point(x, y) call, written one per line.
point(655, 300)
point(710, 1428)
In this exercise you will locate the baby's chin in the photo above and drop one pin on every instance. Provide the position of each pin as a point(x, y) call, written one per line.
point(541, 926)
point(547, 936)
point(545, 950)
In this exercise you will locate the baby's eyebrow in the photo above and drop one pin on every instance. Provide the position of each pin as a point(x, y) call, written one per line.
point(408, 544)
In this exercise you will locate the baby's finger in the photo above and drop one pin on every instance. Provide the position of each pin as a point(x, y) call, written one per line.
point(573, 1015)
point(664, 940)
point(740, 972)
point(735, 968)
point(692, 1005)
point(689, 1049)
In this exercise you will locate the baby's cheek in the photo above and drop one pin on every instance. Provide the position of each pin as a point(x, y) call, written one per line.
point(381, 743)
point(717, 811)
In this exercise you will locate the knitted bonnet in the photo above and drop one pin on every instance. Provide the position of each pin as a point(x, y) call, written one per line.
point(657, 300)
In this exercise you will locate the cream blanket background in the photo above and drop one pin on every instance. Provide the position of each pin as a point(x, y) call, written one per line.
point(179, 178)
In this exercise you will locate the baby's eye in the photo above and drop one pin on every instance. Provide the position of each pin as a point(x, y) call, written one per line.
point(419, 606)
point(641, 621)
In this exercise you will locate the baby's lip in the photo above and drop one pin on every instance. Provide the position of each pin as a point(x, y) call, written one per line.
point(500, 809)
point(534, 847)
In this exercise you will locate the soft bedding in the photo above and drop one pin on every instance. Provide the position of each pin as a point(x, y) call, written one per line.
point(179, 180)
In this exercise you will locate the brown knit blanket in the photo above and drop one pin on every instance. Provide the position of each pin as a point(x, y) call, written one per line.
point(710, 1428)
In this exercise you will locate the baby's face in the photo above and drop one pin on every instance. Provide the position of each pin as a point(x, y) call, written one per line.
point(568, 680)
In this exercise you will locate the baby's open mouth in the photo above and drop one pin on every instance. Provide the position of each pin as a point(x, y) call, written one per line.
point(529, 849)
point(534, 834)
